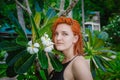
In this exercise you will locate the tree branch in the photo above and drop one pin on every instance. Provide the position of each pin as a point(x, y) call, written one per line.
point(69, 8)
point(18, 3)
point(27, 8)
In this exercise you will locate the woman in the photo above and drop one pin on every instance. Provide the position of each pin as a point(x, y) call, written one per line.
point(66, 34)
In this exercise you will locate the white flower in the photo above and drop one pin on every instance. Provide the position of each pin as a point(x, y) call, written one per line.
point(47, 43)
point(33, 48)
point(48, 49)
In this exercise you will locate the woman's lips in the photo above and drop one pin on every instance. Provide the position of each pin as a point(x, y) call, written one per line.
point(59, 44)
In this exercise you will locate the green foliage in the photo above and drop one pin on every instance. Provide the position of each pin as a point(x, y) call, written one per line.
point(113, 30)
point(112, 73)
point(97, 51)
point(19, 61)
point(3, 68)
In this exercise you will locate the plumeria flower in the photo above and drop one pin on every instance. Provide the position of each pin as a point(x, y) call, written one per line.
point(47, 43)
point(49, 48)
point(33, 48)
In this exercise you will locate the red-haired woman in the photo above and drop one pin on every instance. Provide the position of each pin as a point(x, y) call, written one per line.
point(66, 34)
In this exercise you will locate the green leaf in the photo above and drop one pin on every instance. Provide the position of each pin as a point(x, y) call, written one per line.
point(55, 62)
point(92, 67)
point(43, 59)
point(47, 26)
point(37, 19)
point(3, 68)
point(42, 73)
point(18, 28)
point(21, 41)
point(35, 33)
point(99, 43)
point(99, 63)
point(108, 51)
point(16, 57)
point(90, 36)
point(9, 46)
point(104, 61)
point(24, 63)
point(50, 13)
point(12, 54)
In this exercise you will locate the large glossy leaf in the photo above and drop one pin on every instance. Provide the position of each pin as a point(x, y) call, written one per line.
point(24, 63)
point(55, 62)
point(35, 34)
point(15, 58)
point(43, 59)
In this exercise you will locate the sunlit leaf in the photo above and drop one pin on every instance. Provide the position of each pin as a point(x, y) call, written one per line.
point(35, 34)
point(37, 19)
point(42, 73)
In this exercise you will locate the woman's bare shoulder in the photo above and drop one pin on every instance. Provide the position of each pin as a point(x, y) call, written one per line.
point(80, 62)
point(80, 69)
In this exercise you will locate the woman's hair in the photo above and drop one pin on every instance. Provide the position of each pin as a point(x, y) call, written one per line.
point(75, 26)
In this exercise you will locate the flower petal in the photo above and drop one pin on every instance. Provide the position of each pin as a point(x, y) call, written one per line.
point(30, 43)
point(35, 50)
point(36, 45)
point(30, 50)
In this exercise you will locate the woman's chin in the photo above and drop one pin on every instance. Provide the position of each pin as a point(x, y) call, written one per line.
point(59, 48)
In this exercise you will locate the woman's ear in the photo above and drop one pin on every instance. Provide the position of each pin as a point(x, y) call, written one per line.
point(75, 38)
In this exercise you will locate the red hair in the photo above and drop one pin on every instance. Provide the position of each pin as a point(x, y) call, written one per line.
point(75, 26)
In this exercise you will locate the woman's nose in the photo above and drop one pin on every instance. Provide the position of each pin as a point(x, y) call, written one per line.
point(58, 37)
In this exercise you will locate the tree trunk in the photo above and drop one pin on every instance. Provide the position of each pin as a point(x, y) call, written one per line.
point(62, 4)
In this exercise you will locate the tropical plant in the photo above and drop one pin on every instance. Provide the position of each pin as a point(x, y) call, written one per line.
point(96, 51)
point(24, 51)
point(27, 53)
point(112, 73)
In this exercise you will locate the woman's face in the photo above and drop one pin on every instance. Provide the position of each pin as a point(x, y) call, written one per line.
point(64, 37)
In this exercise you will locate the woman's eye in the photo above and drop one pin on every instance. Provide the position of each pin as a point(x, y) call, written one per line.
point(65, 34)
point(56, 34)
